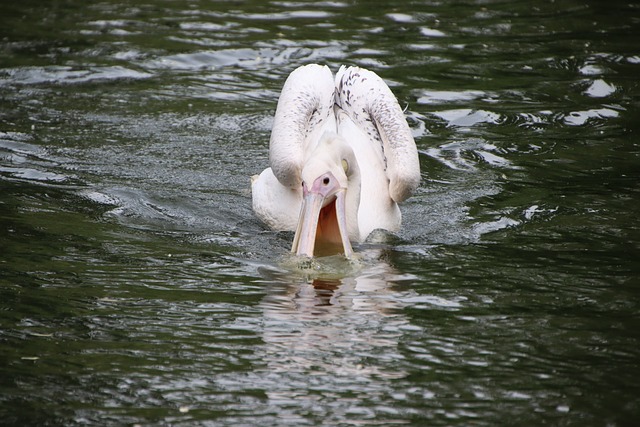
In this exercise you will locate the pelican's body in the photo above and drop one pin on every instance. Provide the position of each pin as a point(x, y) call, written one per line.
point(341, 158)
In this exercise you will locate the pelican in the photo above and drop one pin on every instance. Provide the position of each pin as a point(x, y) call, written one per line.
point(341, 158)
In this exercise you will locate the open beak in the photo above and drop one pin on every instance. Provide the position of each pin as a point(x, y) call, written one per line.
point(322, 225)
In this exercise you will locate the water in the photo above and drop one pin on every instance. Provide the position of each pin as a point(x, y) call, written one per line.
point(138, 288)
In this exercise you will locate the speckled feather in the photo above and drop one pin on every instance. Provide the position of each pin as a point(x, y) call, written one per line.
point(369, 102)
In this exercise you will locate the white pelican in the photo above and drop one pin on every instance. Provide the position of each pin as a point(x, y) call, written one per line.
point(342, 157)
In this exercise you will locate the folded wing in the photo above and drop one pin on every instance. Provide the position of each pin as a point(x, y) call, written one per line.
point(303, 114)
point(371, 105)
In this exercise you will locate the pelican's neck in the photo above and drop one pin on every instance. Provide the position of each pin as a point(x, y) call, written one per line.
point(353, 199)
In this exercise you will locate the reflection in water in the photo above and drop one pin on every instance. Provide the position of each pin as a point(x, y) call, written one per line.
point(332, 330)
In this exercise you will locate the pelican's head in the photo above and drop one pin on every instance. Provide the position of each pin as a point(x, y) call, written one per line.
point(331, 195)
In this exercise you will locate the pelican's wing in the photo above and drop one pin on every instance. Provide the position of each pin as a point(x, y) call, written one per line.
point(369, 102)
point(304, 112)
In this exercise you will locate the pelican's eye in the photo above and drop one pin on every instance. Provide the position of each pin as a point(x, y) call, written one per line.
point(345, 166)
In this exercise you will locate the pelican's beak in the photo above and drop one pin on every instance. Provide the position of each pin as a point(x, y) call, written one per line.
point(322, 225)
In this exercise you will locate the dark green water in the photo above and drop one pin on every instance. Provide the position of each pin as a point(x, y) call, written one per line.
point(138, 288)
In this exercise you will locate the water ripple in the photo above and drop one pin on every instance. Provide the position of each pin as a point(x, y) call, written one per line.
point(67, 75)
point(578, 118)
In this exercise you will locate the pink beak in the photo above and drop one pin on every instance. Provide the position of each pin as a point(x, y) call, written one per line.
point(322, 225)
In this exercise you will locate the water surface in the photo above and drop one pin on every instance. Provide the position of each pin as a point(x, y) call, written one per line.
point(138, 288)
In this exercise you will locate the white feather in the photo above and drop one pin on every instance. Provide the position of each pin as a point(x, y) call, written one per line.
point(369, 102)
point(304, 113)
point(361, 108)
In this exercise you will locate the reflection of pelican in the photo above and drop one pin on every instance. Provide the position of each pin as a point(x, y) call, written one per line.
point(331, 328)
point(341, 156)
